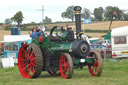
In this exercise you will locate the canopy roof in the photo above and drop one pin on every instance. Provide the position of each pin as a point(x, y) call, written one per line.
point(16, 38)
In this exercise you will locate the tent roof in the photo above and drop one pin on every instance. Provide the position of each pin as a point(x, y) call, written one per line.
point(16, 38)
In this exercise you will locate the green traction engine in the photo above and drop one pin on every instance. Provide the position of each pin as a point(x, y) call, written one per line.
point(58, 53)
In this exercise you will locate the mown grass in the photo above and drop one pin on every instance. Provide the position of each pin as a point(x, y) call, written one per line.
point(114, 73)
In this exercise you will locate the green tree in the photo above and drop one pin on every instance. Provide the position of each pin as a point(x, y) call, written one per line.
point(1, 23)
point(18, 17)
point(86, 13)
point(69, 14)
point(7, 21)
point(109, 12)
point(125, 17)
point(93, 19)
point(32, 22)
point(47, 20)
point(98, 13)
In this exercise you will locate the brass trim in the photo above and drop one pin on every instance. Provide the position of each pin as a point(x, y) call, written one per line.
point(80, 33)
point(77, 12)
point(124, 52)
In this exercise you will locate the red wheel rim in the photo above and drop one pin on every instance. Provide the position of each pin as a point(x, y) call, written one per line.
point(64, 66)
point(26, 61)
point(93, 69)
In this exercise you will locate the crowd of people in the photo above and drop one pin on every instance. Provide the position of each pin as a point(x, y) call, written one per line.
point(36, 32)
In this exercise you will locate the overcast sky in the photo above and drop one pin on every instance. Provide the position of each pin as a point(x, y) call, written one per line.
point(53, 8)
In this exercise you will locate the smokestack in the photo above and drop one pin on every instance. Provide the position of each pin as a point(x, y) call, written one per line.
point(77, 10)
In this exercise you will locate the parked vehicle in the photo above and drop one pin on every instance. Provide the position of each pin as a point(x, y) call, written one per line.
point(105, 51)
point(119, 40)
point(94, 40)
point(105, 42)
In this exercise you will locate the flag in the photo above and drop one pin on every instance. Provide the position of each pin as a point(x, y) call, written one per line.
point(114, 13)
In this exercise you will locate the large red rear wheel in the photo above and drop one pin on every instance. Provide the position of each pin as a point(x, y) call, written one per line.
point(66, 66)
point(96, 68)
point(30, 61)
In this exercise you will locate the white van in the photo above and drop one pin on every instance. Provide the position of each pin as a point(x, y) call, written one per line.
point(119, 39)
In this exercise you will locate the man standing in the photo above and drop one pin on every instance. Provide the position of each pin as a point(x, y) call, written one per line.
point(34, 34)
point(40, 32)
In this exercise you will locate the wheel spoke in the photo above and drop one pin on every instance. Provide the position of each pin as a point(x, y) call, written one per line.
point(96, 64)
point(26, 67)
point(32, 54)
point(67, 71)
point(62, 60)
point(29, 68)
point(91, 69)
point(33, 59)
point(23, 60)
point(25, 53)
point(32, 68)
point(33, 64)
point(95, 69)
point(66, 65)
point(66, 68)
point(24, 63)
point(29, 72)
point(29, 50)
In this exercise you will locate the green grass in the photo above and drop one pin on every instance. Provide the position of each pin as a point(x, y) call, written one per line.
point(114, 73)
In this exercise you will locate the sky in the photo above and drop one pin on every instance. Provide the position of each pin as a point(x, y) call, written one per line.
point(52, 8)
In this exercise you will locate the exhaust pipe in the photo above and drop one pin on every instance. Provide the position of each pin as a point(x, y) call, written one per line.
point(77, 10)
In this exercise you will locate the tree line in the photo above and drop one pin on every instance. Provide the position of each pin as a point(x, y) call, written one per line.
point(18, 18)
point(100, 14)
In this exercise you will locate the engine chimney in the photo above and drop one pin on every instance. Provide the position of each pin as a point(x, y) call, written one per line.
point(77, 10)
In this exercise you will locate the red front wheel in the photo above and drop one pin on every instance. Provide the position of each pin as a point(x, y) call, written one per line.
point(95, 69)
point(30, 61)
point(66, 66)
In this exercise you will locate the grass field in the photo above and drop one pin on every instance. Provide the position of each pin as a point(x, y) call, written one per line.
point(93, 26)
point(114, 73)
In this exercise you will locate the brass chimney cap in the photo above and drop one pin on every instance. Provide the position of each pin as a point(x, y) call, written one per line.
point(77, 8)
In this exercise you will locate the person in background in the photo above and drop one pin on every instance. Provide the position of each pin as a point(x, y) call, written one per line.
point(40, 32)
point(34, 34)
